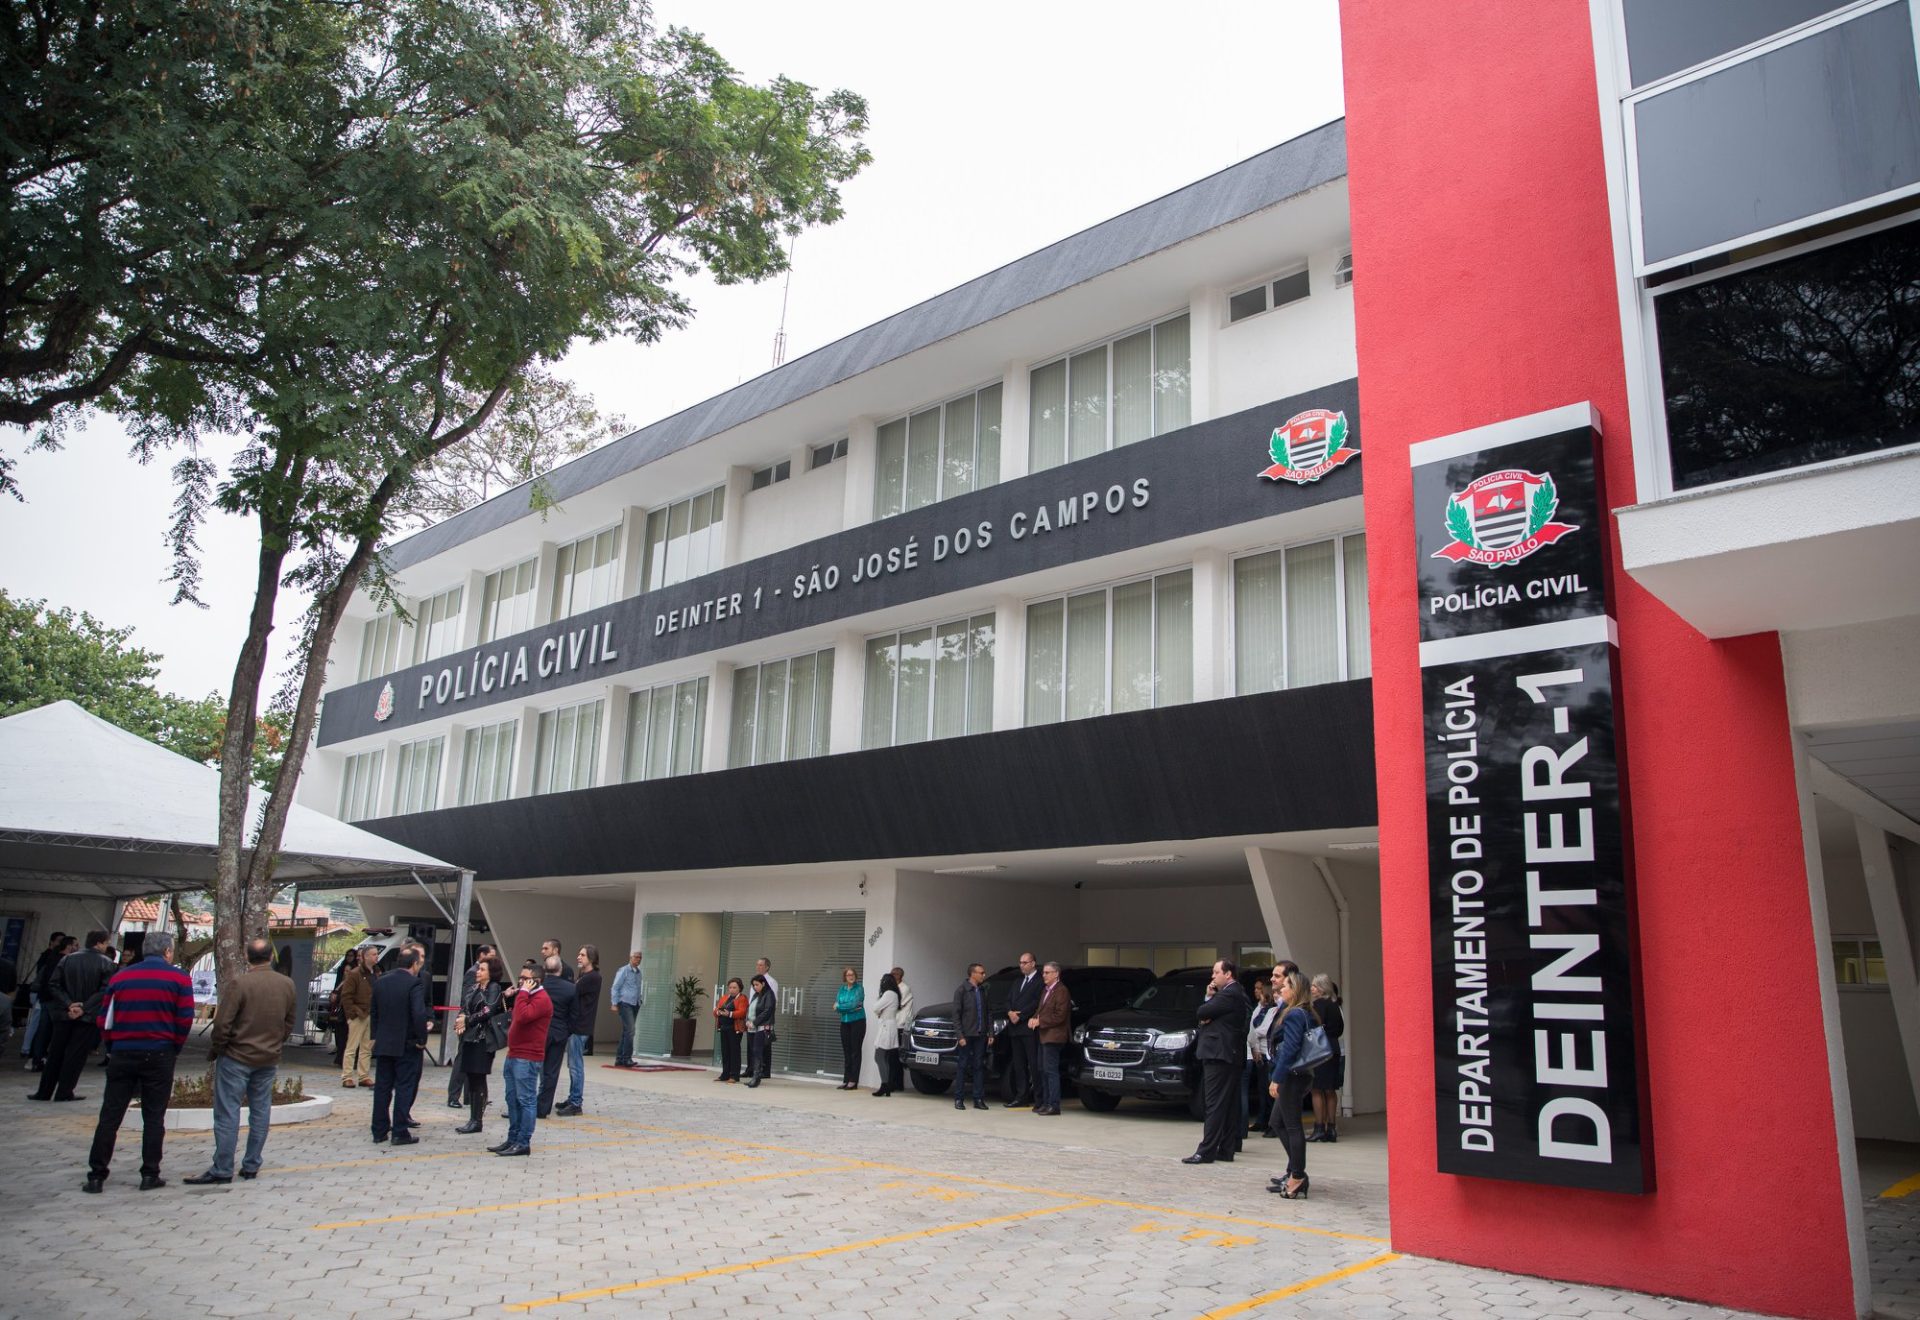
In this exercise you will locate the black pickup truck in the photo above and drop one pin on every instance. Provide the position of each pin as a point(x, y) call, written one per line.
point(927, 1052)
point(1145, 1050)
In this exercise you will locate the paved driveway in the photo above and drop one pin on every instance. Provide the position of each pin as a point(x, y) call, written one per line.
point(677, 1196)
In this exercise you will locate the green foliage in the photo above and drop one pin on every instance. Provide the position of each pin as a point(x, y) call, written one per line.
point(1459, 525)
point(1540, 508)
point(686, 991)
point(51, 655)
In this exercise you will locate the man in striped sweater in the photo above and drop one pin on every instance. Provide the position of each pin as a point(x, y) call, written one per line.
point(147, 1013)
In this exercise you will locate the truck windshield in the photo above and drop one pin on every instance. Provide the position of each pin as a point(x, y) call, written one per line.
point(1181, 994)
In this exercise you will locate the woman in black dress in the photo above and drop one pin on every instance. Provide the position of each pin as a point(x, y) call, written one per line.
point(482, 1028)
point(1330, 1076)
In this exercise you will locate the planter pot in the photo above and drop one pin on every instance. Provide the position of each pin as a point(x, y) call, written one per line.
point(682, 1038)
point(313, 1108)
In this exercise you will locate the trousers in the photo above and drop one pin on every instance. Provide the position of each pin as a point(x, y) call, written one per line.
point(68, 1050)
point(623, 1052)
point(1221, 1080)
point(521, 1078)
point(359, 1056)
point(550, 1073)
point(147, 1074)
point(396, 1081)
point(232, 1083)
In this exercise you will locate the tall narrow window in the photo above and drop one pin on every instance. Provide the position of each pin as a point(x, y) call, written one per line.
point(1114, 394)
point(436, 625)
point(506, 601)
point(379, 647)
point(938, 453)
point(1119, 648)
point(360, 786)
point(934, 682)
point(566, 751)
point(666, 727)
point(782, 710)
point(416, 776)
point(486, 763)
point(584, 573)
point(1300, 615)
point(684, 539)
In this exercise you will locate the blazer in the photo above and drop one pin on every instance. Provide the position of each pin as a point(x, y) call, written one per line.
point(486, 1018)
point(561, 993)
point(1024, 999)
point(399, 1015)
point(586, 1002)
point(1290, 1033)
point(1223, 1026)
point(969, 1011)
point(356, 994)
point(731, 1013)
point(761, 1011)
point(1053, 1013)
point(886, 1015)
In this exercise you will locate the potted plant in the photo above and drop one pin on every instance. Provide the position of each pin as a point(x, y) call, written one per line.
point(685, 991)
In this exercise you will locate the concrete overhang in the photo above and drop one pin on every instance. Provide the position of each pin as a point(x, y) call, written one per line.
point(1813, 548)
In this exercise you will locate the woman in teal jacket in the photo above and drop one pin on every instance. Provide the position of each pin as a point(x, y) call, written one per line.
point(851, 1005)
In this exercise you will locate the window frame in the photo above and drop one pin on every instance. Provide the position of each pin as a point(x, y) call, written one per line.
point(835, 450)
point(940, 407)
point(703, 712)
point(564, 581)
point(1107, 343)
point(1859, 942)
point(486, 634)
point(1339, 540)
point(477, 731)
point(1265, 287)
point(404, 767)
point(390, 648)
point(822, 732)
point(599, 745)
point(424, 623)
point(775, 473)
point(370, 794)
point(893, 716)
point(1106, 668)
point(716, 555)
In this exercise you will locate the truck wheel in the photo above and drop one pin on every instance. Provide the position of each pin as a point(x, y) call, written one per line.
point(1100, 1102)
point(927, 1085)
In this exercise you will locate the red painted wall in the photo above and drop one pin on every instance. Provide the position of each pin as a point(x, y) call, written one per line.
point(1485, 290)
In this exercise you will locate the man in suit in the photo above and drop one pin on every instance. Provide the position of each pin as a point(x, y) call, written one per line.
point(398, 1024)
point(1052, 1022)
point(560, 991)
point(1023, 1047)
point(72, 1002)
point(1222, 1052)
point(970, 1019)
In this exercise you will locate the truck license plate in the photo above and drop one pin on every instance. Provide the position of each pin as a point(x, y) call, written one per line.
point(1101, 1074)
point(925, 1056)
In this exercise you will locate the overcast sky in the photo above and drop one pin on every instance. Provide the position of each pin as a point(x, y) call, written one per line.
point(996, 130)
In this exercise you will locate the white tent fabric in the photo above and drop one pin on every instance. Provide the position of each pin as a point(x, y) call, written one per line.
point(92, 811)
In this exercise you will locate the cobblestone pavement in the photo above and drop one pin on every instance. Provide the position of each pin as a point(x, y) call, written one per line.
point(676, 1201)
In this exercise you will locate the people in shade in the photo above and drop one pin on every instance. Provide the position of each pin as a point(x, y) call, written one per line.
point(851, 1006)
point(729, 1029)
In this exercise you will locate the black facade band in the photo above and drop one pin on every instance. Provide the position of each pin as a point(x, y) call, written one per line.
point(1201, 478)
point(1276, 762)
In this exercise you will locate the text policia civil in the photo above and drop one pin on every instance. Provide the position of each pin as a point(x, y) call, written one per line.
point(1538, 1062)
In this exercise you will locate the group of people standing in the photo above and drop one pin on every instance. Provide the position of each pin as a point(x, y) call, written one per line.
point(745, 1013)
point(1247, 1047)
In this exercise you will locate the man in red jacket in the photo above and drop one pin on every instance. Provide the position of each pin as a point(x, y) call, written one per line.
point(526, 1052)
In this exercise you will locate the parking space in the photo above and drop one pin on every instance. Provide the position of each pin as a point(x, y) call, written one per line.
point(676, 1196)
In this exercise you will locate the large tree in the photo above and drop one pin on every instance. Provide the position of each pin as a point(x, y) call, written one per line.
point(380, 216)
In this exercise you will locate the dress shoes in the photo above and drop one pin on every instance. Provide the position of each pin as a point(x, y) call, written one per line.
point(67, 1099)
point(1198, 1159)
point(456, 1104)
point(206, 1180)
point(514, 1150)
point(249, 1175)
point(497, 1149)
point(959, 1104)
point(980, 1104)
point(379, 1138)
point(149, 1181)
point(404, 1138)
point(1018, 1104)
point(95, 1185)
point(468, 1128)
point(568, 1110)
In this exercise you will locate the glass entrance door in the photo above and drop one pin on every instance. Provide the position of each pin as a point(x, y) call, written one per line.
point(659, 943)
point(808, 950)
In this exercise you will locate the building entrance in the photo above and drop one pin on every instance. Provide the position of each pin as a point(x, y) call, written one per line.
point(807, 951)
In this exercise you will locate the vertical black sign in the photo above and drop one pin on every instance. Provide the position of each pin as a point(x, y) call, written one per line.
point(1539, 1065)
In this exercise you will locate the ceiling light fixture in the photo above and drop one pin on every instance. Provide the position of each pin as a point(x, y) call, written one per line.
point(1354, 847)
point(966, 870)
point(1138, 861)
point(602, 887)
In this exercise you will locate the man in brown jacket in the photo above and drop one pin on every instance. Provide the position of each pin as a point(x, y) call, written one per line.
point(1050, 1024)
point(356, 1001)
point(253, 1021)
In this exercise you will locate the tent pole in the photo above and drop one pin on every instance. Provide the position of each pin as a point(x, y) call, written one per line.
point(456, 961)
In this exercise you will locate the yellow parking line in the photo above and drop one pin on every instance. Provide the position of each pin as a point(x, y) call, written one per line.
point(383, 1159)
point(575, 1200)
point(1905, 1187)
point(1019, 1187)
point(668, 1280)
point(1240, 1308)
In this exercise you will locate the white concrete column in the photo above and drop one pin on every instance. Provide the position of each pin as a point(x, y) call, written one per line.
point(1203, 321)
point(470, 611)
point(633, 546)
point(1302, 920)
point(543, 583)
point(733, 516)
point(451, 761)
point(526, 742)
point(1009, 662)
point(1016, 441)
point(849, 693)
point(713, 750)
point(1893, 924)
point(862, 457)
point(613, 735)
point(1212, 610)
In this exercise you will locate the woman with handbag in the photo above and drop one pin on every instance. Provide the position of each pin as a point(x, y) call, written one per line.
point(482, 1029)
point(1330, 1076)
point(886, 1036)
point(729, 1021)
point(851, 1005)
point(1290, 1085)
point(760, 1011)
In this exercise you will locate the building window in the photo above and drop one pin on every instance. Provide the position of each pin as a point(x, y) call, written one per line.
point(436, 625)
point(379, 647)
point(684, 539)
point(1300, 615)
point(821, 455)
point(938, 453)
point(416, 776)
point(766, 476)
point(929, 683)
point(506, 601)
point(1858, 962)
point(1162, 958)
point(782, 710)
point(666, 729)
point(360, 785)
point(584, 573)
point(486, 763)
point(1270, 294)
point(1801, 360)
point(566, 751)
point(1119, 648)
point(1343, 271)
point(1112, 394)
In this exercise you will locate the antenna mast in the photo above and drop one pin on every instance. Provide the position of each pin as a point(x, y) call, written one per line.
point(780, 335)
